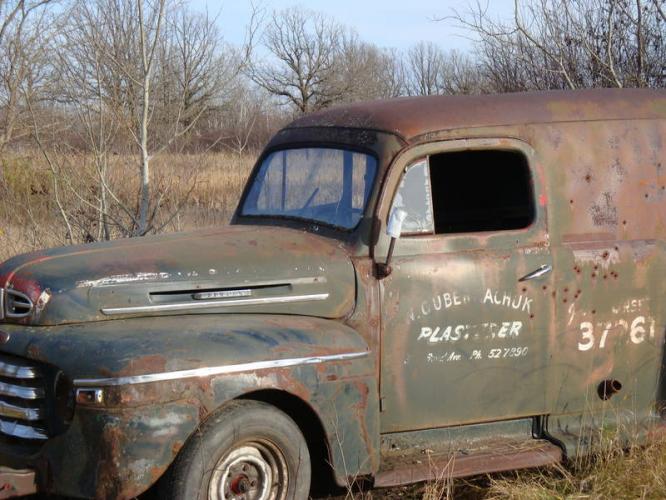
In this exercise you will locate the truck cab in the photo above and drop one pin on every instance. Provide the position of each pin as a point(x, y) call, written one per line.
point(409, 289)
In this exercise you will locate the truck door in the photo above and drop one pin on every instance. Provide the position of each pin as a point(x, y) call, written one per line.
point(467, 306)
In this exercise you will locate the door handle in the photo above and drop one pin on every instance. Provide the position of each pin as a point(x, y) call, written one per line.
point(538, 273)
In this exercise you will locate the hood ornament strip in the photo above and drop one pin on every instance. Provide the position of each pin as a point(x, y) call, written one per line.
point(211, 304)
point(217, 370)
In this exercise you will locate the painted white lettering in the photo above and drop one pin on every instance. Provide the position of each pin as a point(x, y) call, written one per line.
point(425, 333)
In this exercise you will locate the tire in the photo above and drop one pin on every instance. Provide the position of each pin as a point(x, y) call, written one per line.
point(249, 450)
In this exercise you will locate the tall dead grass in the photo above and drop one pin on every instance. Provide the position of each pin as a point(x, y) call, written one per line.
point(202, 188)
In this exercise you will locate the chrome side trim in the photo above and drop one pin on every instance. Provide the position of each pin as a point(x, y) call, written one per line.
point(12, 411)
point(2, 304)
point(216, 370)
point(21, 431)
point(19, 391)
point(16, 371)
point(209, 304)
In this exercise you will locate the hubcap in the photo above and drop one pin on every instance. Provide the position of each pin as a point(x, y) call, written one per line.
point(252, 471)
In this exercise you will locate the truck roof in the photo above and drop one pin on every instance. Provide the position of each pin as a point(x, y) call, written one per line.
point(410, 117)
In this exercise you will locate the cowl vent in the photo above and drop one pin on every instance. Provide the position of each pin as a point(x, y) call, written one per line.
point(14, 305)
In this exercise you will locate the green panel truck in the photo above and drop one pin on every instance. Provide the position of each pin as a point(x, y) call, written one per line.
point(408, 289)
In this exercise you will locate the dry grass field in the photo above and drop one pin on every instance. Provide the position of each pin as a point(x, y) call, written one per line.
point(201, 189)
point(206, 188)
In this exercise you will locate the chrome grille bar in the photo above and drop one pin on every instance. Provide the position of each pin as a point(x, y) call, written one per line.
point(19, 391)
point(17, 371)
point(13, 411)
point(17, 430)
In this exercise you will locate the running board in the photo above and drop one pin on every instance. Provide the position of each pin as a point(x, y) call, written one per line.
point(415, 468)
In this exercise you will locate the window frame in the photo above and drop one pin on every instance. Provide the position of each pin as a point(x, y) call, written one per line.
point(431, 195)
point(535, 233)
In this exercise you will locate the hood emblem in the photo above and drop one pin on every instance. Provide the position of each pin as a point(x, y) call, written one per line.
point(222, 294)
point(14, 305)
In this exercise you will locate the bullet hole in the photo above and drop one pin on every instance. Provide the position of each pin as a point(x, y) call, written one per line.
point(553, 294)
point(564, 300)
point(646, 196)
point(566, 290)
point(624, 222)
point(617, 249)
point(594, 275)
point(544, 287)
point(579, 292)
point(594, 311)
point(532, 316)
point(605, 255)
point(596, 267)
point(605, 276)
point(571, 202)
point(588, 178)
point(524, 289)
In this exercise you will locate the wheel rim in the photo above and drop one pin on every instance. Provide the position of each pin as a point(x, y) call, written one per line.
point(256, 470)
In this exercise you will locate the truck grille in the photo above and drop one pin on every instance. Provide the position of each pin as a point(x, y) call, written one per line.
point(22, 399)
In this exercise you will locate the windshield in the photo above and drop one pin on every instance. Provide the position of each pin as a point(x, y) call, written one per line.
point(329, 186)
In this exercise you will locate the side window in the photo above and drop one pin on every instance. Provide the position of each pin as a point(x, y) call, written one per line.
point(413, 197)
point(467, 191)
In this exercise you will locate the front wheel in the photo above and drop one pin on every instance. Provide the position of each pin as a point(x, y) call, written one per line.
point(247, 451)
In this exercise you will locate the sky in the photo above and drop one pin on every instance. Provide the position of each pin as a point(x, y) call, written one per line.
point(388, 23)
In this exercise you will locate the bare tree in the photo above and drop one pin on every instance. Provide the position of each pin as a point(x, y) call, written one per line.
point(137, 76)
point(364, 71)
point(573, 43)
point(24, 63)
point(425, 63)
point(304, 46)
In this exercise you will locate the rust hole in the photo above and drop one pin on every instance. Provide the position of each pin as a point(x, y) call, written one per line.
point(608, 388)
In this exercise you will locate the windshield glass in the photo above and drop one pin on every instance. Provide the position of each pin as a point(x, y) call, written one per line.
point(329, 186)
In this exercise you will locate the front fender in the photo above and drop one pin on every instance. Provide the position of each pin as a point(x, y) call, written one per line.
point(198, 363)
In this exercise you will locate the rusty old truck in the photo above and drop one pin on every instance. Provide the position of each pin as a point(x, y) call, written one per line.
point(412, 288)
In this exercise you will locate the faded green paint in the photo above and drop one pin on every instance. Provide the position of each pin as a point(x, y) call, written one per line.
point(598, 164)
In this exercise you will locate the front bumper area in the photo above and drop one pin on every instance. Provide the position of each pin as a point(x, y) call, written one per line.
point(16, 483)
point(105, 453)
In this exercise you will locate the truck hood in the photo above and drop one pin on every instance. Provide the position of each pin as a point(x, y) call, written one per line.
point(236, 269)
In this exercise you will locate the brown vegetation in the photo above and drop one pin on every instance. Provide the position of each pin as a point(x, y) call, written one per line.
point(205, 187)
